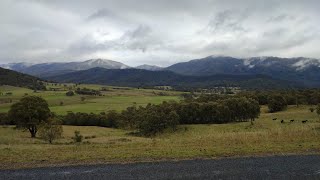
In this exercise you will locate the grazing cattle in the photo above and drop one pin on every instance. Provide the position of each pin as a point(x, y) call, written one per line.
point(282, 121)
point(292, 120)
point(274, 119)
point(304, 121)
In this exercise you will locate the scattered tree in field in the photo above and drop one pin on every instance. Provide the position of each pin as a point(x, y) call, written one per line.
point(154, 122)
point(77, 137)
point(50, 130)
point(70, 93)
point(61, 103)
point(277, 103)
point(29, 113)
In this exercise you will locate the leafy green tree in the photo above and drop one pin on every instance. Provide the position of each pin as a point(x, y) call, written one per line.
point(50, 130)
point(130, 117)
point(254, 110)
point(29, 113)
point(112, 119)
point(172, 120)
point(277, 103)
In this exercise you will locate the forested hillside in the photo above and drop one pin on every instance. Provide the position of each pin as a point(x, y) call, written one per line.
point(144, 78)
point(12, 78)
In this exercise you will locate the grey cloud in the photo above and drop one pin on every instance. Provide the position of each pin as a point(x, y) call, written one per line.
point(226, 21)
point(101, 13)
point(136, 39)
point(152, 31)
point(140, 32)
point(281, 18)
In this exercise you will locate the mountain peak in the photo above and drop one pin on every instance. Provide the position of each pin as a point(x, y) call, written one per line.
point(104, 63)
point(149, 67)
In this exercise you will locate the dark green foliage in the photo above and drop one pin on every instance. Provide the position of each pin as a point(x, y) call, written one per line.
point(292, 97)
point(4, 119)
point(85, 91)
point(29, 113)
point(85, 119)
point(70, 93)
point(219, 111)
point(277, 103)
point(154, 119)
point(12, 78)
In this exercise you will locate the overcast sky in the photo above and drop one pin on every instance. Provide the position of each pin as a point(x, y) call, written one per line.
point(159, 32)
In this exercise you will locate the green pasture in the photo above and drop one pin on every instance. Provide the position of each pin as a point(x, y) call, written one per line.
point(115, 98)
point(265, 137)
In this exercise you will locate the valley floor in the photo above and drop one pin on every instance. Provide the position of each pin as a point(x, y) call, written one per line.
point(105, 145)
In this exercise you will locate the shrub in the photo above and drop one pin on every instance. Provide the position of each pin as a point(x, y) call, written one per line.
point(50, 130)
point(77, 137)
point(70, 93)
point(153, 123)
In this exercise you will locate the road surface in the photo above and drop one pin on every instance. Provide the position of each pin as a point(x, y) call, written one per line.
point(275, 167)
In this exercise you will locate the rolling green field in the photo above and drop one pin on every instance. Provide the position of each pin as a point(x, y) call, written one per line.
point(115, 98)
point(265, 137)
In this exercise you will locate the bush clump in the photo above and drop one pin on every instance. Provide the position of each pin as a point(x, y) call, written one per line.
point(70, 93)
point(77, 137)
point(50, 130)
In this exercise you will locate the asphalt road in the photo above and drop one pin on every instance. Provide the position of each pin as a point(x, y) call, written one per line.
point(276, 167)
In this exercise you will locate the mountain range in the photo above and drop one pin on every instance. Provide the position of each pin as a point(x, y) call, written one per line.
point(300, 70)
point(58, 68)
point(305, 71)
point(145, 78)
